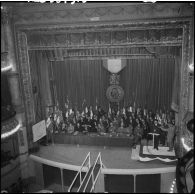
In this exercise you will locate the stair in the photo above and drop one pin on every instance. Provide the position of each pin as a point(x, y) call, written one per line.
point(90, 183)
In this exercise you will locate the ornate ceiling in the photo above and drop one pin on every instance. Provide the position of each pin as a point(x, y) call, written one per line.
point(50, 13)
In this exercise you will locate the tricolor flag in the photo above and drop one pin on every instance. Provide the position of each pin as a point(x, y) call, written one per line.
point(48, 122)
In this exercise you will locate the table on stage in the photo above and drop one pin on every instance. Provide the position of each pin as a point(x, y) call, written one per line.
point(93, 139)
point(153, 134)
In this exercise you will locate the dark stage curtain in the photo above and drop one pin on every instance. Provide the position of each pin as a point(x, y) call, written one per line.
point(81, 80)
point(149, 82)
point(39, 67)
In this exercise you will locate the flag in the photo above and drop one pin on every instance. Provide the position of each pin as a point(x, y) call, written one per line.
point(109, 111)
point(130, 109)
point(55, 117)
point(91, 114)
point(96, 102)
point(118, 113)
point(66, 105)
point(124, 111)
point(58, 120)
point(66, 114)
point(48, 122)
point(70, 111)
point(145, 112)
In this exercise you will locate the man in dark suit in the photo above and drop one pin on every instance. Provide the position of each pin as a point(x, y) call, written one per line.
point(156, 130)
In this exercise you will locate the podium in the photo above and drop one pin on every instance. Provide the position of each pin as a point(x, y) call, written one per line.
point(153, 134)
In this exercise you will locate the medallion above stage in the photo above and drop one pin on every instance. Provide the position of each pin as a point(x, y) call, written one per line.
point(114, 93)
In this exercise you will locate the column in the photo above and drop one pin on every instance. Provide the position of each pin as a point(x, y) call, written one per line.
point(15, 91)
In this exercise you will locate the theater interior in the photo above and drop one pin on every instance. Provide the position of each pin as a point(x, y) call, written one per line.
point(97, 97)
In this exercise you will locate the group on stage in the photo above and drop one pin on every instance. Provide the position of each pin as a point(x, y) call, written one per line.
point(137, 123)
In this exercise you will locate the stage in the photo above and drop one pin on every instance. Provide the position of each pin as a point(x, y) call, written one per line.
point(93, 139)
point(118, 163)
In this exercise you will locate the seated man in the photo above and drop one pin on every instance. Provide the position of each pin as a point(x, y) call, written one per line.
point(70, 128)
point(93, 123)
point(78, 127)
point(101, 128)
point(112, 128)
point(122, 130)
point(129, 130)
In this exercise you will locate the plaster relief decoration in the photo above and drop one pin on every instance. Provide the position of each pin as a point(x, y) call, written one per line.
point(104, 38)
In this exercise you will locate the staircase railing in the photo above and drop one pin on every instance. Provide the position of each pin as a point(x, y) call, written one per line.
point(92, 173)
point(96, 178)
point(80, 171)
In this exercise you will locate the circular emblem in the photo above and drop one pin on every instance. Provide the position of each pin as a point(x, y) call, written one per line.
point(115, 93)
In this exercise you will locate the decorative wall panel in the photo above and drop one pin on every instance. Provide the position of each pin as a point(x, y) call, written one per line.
point(26, 82)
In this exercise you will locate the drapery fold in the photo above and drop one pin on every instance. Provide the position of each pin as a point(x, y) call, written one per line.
point(147, 82)
point(39, 64)
point(83, 82)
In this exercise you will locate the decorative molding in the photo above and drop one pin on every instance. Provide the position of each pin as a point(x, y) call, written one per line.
point(26, 82)
point(101, 37)
point(112, 13)
point(184, 91)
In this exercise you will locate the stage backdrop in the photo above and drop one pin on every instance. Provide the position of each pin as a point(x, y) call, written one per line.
point(82, 82)
point(147, 82)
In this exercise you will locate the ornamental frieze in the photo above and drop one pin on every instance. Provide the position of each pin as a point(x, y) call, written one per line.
point(121, 12)
point(105, 38)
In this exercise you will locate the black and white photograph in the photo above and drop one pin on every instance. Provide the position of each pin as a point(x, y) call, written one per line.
point(97, 97)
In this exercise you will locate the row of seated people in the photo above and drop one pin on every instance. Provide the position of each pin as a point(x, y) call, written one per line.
point(134, 125)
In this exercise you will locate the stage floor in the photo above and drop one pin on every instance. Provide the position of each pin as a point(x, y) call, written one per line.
point(112, 157)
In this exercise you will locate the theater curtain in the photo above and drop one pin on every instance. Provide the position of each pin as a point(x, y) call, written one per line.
point(149, 82)
point(83, 82)
point(39, 67)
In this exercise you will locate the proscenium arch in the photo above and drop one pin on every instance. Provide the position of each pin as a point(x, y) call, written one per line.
point(21, 37)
